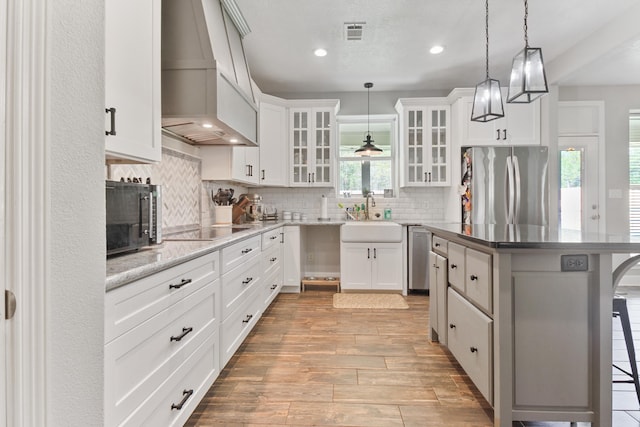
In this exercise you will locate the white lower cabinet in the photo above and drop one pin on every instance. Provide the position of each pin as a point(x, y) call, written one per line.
point(292, 260)
point(238, 324)
point(168, 335)
point(470, 340)
point(272, 267)
point(371, 266)
point(155, 329)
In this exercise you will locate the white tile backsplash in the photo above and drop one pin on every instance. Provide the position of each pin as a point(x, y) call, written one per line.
point(187, 200)
point(420, 204)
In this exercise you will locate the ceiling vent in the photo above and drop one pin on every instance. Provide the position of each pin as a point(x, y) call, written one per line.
point(353, 30)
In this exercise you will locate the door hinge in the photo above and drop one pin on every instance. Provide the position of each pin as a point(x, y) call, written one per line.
point(9, 304)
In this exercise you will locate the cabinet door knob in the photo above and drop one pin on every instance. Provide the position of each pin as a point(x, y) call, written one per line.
point(473, 350)
point(452, 326)
point(437, 245)
point(453, 266)
point(473, 277)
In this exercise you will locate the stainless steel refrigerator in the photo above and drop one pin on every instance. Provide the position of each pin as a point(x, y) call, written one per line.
point(505, 185)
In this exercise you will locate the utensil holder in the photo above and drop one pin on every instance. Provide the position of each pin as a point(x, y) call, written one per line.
point(222, 214)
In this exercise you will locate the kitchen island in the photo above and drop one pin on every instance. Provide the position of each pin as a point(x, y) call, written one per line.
point(527, 311)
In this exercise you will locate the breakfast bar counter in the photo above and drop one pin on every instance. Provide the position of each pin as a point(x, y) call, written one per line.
point(527, 312)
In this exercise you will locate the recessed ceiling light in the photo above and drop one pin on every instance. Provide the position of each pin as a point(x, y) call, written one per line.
point(436, 49)
point(233, 140)
point(320, 52)
point(207, 125)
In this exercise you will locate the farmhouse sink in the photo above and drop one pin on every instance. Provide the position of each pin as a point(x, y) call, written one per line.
point(371, 231)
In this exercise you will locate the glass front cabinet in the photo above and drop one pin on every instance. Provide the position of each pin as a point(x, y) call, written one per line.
point(425, 144)
point(312, 135)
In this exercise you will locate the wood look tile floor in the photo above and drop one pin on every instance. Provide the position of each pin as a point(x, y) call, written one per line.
point(308, 364)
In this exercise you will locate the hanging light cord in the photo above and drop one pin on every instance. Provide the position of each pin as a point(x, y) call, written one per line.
point(368, 89)
point(526, 15)
point(486, 32)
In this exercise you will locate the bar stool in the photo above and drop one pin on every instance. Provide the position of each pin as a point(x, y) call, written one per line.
point(620, 310)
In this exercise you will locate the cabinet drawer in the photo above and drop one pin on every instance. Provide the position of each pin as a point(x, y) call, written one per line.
point(238, 284)
point(139, 361)
point(271, 287)
point(470, 339)
point(439, 245)
point(478, 282)
point(236, 254)
point(197, 373)
point(271, 260)
point(237, 326)
point(271, 238)
point(130, 305)
point(456, 265)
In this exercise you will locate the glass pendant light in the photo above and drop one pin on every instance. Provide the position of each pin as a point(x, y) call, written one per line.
point(368, 148)
point(487, 100)
point(528, 79)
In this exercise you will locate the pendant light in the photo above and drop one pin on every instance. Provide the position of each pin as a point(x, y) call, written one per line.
point(487, 100)
point(368, 149)
point(528, 79)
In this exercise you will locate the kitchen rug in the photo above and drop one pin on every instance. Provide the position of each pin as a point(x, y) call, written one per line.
point(348, 300)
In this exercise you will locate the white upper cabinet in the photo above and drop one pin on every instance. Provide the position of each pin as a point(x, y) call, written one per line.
point(227, 163)
point(272, 137)
point(132, 81)
point(425, 142)
point(519, 126)
point(312, 143)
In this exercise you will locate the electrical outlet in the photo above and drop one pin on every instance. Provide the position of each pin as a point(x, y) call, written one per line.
point(574, 263)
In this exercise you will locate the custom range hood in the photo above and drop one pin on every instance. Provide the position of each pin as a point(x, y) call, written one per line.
point(207, 94)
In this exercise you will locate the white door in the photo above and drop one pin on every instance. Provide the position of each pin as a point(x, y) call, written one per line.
point(579, 183)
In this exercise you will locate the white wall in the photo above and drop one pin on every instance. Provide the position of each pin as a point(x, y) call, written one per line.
point(618, 101)
point(76, 287)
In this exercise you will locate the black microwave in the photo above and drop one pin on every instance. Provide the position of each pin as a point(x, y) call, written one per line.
point(134, 216)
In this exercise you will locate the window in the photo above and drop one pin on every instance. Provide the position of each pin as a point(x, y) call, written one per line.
point(374, 173)
point(634, 173)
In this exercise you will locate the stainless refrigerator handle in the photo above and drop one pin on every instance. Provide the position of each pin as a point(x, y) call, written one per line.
point(508, 182)
point(516, 201)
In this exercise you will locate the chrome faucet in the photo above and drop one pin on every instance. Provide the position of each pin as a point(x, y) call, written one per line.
point(373, 204)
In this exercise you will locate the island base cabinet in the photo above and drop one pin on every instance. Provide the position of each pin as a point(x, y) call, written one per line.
point(179, 396)
point(470, 338)
point(438, 297)
point(553, 357)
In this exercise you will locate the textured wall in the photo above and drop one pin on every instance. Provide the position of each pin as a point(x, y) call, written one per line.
point(76, 276)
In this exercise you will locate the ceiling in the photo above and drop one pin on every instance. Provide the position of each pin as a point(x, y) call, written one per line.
point(584, 42)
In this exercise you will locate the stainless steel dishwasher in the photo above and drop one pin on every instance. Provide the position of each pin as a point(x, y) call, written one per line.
point(419, 245)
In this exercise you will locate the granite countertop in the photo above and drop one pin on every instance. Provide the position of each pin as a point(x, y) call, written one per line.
point(126, 268)
point(509, 236)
